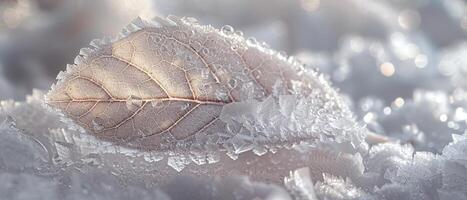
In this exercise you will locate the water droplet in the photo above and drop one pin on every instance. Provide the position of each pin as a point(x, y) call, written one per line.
point(205, 51)
point(156, 38)
point(265, 45)
point(197, 46)
point(282, 54)
point(252, 41)
point(239, 33)
point(227, 30)
point(192, 33)
point(190, 20)
point(257, 73)
point(232, 83)
point(180, 35)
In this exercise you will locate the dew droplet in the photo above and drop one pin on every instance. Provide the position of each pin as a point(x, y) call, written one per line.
point(197, 46)
point(282, 54)
point(180, 35)
point(265, 45)
point(239, 33)
point(190, 20)
point(257, 73)
point(205, 51)
point(252, 41)
point(192, 33)
point(232, 83)
point(227, 30)
point(156, 38)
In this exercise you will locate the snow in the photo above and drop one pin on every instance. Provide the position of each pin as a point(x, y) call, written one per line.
point(391, 125)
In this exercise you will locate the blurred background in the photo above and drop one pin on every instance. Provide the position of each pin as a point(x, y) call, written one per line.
point(400, 64)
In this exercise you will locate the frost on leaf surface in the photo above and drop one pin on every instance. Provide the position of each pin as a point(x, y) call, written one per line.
point(172, 85)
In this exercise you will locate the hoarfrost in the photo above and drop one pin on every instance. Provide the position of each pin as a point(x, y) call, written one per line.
point(401, 71)
point(228, 99)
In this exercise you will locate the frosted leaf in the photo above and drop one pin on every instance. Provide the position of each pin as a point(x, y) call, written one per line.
point(164, 85)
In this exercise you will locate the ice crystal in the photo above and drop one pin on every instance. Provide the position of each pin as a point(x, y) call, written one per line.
point(195, 89)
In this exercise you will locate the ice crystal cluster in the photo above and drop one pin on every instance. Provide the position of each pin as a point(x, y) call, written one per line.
point(373, 104)
point(187, 92)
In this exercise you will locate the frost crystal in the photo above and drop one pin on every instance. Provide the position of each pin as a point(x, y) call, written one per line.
point(173, 109)
point(161, 86)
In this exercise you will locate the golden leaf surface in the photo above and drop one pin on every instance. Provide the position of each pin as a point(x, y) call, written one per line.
point(164, 82)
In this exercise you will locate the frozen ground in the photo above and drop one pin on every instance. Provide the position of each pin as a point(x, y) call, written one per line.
point(399, 65)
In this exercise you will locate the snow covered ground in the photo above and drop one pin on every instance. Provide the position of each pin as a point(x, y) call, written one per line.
point(400, 66)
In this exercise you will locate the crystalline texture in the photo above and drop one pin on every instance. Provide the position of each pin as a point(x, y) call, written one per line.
point(19, 151)
point(171, 84)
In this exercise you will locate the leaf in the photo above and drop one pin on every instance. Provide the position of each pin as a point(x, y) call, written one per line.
point(163, 83)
